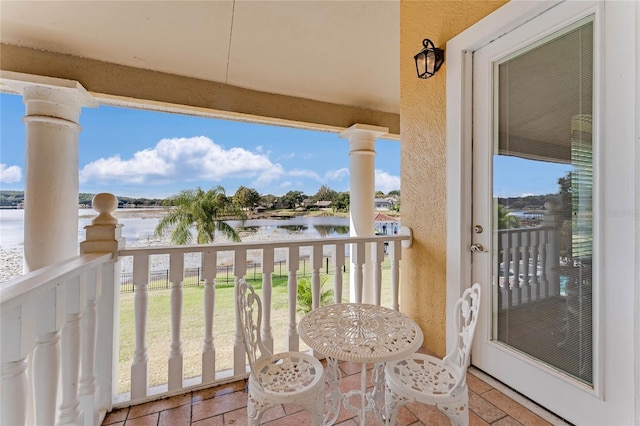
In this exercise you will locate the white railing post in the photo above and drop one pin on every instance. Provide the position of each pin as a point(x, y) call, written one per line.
point(139, 367)
point(267, 271)
point(46, 355)
point(553, 222)
point(338, 265)
point(316, 265)
point(293, 264)
point(395, 253)
point(104, 235)
point(17, 334)
point(176, 276)
point(377, 252)
point(358, 256)
point(70, 352)
point(239, 271)
point(87, 387)
point(209, 270)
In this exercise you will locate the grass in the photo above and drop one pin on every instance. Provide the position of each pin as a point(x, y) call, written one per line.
point(158, 336)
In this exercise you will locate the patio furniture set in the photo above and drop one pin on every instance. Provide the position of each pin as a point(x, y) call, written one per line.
point(366, 334)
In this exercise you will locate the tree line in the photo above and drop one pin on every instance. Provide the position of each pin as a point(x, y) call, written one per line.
point(245, 198)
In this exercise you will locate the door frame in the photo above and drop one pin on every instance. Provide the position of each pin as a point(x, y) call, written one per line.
point(617, 350)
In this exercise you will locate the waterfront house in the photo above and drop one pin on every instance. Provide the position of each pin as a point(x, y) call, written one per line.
point(555, 82)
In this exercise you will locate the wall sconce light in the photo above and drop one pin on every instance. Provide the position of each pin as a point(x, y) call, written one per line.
point(428, 60)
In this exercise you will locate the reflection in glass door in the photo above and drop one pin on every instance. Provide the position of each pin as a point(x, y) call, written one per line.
point(542, 208)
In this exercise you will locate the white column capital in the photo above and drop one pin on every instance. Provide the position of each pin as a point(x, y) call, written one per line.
point(363, 131)
point(49, 96)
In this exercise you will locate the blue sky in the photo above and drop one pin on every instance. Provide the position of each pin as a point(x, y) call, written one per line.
point(139, 153)
point(150, 154)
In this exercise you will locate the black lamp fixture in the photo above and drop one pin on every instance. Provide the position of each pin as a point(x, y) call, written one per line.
point(429, 59)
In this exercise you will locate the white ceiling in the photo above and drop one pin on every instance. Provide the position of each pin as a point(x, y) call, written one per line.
point(343, 52)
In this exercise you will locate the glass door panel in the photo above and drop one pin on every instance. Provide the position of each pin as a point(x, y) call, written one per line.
point(542, 201)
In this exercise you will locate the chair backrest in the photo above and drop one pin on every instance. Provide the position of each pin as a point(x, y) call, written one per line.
point(465, 317)
point(249, 311)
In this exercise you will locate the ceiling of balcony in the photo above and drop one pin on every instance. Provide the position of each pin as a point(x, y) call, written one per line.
point(343, 52)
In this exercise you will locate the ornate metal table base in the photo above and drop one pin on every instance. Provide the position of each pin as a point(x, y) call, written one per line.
point(360, 333)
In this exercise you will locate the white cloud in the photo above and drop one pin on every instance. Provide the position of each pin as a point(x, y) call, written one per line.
point(337, 174)
point(386, 182)
point(10, 174)
point(183, 159)
point(305, 173)
point(527, 194)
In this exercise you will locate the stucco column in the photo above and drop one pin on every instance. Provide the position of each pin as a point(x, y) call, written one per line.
point(51, 165)
point(362, 152)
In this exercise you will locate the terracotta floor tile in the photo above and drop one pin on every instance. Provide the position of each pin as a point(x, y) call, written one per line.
point(484, 409)
point(513, 409)
point(116, 415)
point(301, 418)
point(176, 416)
point(475, 420)
point(160, 405)
point(507, 421)
point(477, 385)
point(349, 422)
point(211, 421)
point(239, 417)
point(428, 414)
point(203, 394)
point(148, 420)
point(118, 424)
point(349, 367)
point(220, 405)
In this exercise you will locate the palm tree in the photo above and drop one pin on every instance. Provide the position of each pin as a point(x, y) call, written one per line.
point(206, 211)
point(507, 220)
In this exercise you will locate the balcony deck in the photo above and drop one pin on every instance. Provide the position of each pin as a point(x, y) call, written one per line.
point(489, 404)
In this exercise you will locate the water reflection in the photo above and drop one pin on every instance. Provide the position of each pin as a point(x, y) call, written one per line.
point(293, 228)
point(328, 230)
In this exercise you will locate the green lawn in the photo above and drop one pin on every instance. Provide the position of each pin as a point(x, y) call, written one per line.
point(192, 328)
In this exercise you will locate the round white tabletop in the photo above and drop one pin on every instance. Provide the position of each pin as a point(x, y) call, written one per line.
point(360, 332)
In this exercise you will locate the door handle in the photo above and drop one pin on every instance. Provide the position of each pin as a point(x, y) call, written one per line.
point(478, 248)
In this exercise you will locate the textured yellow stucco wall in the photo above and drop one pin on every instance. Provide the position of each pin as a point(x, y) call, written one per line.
point(423, 159)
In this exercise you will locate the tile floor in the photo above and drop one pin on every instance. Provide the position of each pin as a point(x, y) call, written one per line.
point(489, 404)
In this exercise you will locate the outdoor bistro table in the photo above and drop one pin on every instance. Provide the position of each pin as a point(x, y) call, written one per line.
point(360, 333)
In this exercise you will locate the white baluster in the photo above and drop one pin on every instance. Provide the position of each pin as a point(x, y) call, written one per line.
point(139, 368)
point(377, 252)
point(526, 264)
point(544, 276)
point(239, 271)
point(515, 289)
point(14, 392)
point(17, 334)
point(176, 276)
point(46, 355)
point(70, 352)
point(535, 242)
point(506, 265)
point(395, 254)
point(316, 265)
point(267, 284)
point(338, 265)
point(209, 269)
point(358, 255)
point(293, 264)
point(87, 387)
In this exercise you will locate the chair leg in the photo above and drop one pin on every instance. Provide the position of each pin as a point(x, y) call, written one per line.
point(392, 404)
point(255, 408)
point(456, 411)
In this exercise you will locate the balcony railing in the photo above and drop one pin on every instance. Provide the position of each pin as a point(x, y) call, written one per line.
point(60, 324)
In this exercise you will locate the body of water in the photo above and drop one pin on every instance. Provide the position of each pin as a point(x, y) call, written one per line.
point(141, 227)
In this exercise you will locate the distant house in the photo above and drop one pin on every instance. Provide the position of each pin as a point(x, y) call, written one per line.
point(385, 203)
point(323, 204)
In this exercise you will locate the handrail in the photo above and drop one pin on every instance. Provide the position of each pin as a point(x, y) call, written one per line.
point(16, 289)
point(259, 245)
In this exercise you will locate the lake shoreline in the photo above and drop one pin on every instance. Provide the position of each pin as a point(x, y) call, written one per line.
point(11, 257)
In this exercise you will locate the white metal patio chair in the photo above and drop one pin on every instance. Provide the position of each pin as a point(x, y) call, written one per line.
point(429, 380)
point(286, 377)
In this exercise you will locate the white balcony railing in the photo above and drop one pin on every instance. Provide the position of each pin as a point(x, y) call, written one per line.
point(60, 324)
point(50, 319)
